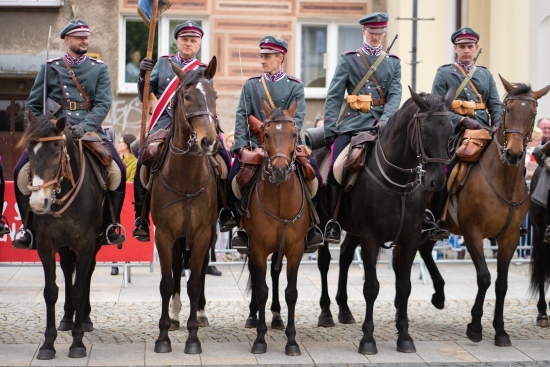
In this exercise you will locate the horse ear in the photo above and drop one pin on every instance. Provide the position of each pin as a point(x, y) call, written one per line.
point(211, 69)
point(179, 73)
point(420, 102)
point(292, 109)
point(507, 85)
point(450, 96)
point(542, 92)
point(266, 108)
point(61, 124)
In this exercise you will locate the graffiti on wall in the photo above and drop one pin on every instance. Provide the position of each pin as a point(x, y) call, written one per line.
point(125, 115)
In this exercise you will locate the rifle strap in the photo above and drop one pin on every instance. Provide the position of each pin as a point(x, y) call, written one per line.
point(380, 93)
point(271, 104)
point(73, 77)
point(467, 79)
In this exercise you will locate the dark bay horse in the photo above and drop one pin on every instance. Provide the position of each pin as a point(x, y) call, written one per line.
point(496, 184)
point(278, 220)
point(184, 198)
point(67, 203)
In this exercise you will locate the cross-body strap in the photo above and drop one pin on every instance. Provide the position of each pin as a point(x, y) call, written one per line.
point(380, 93)
point(73, 77)
point(271, 104)
point(467, 79)
point(361, 84)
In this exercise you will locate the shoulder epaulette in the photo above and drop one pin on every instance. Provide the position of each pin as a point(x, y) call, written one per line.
point(483, 67)
point(255, 77)
point(54, 59)
point(96, 60)
point(350, 52)
point(168, 56)
point(294, 78)
point(394, 55)
point(442, 66)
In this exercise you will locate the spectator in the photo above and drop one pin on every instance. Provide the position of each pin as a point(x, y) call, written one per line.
point(132, 67)
point(530, 163)
point(229, 140)
point(544, 124)
point(319, 121)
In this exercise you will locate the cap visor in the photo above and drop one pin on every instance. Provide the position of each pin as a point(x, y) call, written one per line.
point(465, 40)
point(376, 30)
point(79, 34)
point(189, 34)
point(269, 51)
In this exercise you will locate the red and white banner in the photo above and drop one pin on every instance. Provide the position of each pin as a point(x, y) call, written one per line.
point(132, 250)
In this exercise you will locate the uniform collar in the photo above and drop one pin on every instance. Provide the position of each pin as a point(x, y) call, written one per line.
point(275, 77)
point(466, 68)
point(372, 51)
point(184, 61)
point(74, 60)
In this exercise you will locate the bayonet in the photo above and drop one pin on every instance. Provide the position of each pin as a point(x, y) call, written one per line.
point(46, 72)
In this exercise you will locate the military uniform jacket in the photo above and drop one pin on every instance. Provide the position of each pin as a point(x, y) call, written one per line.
point(161, 75)
point(349, 72)
point(449, 75)
point(94, 78)
point(283, 92)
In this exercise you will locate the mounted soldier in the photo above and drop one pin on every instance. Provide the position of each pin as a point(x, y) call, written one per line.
point(78, 88)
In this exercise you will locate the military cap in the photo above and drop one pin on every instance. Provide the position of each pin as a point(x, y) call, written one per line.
point(272, 45)
point(375, 22)
point(188, 28)
point(464, 35)
point(76, 28)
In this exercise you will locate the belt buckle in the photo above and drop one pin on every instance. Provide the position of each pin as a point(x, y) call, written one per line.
point(72, 106)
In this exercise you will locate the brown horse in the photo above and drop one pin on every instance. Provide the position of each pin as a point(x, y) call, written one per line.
point(496, 184)
point(278, 221)
point(183, 196)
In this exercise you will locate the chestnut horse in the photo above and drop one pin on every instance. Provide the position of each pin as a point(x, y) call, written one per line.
point(278, 220)
point(67, 202)
point(496, 184)
point(184, 198)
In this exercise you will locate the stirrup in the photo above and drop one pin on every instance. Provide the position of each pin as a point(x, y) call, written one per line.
point(440, 233)
point(121, 235)
point(141, 230)
point(314, 240)
point(333, 231)
point(227, 220)
point(239, 241)
point(428, 221)
point(4, 226)
point(17, 241)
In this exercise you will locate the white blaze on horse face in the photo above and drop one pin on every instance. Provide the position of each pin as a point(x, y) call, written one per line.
point(278, 126)
point(201, 88)
point(37, 198)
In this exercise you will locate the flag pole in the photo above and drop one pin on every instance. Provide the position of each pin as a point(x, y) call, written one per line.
point(150, 44)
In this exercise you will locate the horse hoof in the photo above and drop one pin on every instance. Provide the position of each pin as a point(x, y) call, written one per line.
point(473, 335)
point(77, 352)
point(277, 323)
point(193, 348)
point(46, 354)
point(203, 321)
point(66, 325)
point(368, 348)
point(292, 350)
point(325, 320)
point(259, 348)
point(542, 321)
point(174, 325)
point(503, 340)
point(346, 317)
point(87, 326)
point(251, 323)
point(438, 303)
point(163, 346)
point(406, 346)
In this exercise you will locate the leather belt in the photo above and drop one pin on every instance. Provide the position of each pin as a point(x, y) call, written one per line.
point(481, 106)
point(73, 106)
point(379, 102)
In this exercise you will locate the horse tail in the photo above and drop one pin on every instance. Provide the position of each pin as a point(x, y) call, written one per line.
point(539, 266)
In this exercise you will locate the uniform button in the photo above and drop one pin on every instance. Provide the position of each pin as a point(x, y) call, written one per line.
point(69, 113)
point(169, 108)
point(57, 62)
point(93, 63)
point(465, 88)
point(467, 94)
point(67, 93)
point(65, 86)
point(80, 94)
point(167, 79)
point(368, 86)
point(78, 114)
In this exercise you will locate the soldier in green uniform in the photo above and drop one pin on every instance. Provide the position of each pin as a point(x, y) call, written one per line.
point(486, 107)
point(284, 90)
point(188, 37)
point(384, 86)
point(83, 115)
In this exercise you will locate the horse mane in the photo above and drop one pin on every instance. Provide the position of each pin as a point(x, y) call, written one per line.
point(520, 88)
point(193, 77)
point(37, 128)
point(276, 113)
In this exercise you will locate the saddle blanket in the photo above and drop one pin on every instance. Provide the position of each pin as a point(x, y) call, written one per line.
point(540, 195)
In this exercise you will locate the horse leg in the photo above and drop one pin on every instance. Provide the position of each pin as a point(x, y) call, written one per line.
point(259, 262)
point(51, 290)
point(201, 313)
point(79, 297)
point(425, 250)
point(291, 296)
point(539, 261)
point(371, 287)
point(323, 264)
point(67, 259)
point(347, 252)
point(252, 320)
point(403, 260)
point(276, 320)
point(87, 324)
point(175, 302)
point(164, 248)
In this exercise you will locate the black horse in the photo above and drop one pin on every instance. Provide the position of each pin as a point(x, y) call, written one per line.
point(67, 203)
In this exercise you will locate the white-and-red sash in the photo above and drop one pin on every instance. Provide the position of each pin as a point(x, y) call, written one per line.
point(169, 93)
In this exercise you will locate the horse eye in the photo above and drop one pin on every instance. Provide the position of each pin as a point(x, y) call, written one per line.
point(266, 135)
point(186, 97)
point(507, 110)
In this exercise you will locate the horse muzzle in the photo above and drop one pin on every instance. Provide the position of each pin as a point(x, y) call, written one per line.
point(39, 202)
point(434, 179)
point(511, 158)
point(209, 146)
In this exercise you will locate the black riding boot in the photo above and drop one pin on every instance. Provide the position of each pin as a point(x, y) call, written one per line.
point(441, 232)
point(547, 233)
point(332, 229)
point(4, 226)
point(28, 240)
point(112, 234)
point(239, 240)
point(141, 225)
point(226, 218)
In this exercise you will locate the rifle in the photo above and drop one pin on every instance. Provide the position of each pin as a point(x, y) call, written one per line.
point(391, 44)
point(46, 72)
point(477, 55)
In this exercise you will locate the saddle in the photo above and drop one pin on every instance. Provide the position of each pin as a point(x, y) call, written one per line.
point(347, 166)
point(250, 161)
point(154, 147)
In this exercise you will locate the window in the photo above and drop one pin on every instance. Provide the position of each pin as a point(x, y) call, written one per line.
point(317, 60)
point(12, 113)
point(32, 3)
point(134, 46)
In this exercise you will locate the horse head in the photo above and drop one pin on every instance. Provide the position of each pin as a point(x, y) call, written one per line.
point(429, 134)
point(281, 137)
point(517, 120)
point(195, 107)
point(46, 147)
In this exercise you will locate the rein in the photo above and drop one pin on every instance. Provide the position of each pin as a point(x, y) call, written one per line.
point(268, 167)
point(526, 138)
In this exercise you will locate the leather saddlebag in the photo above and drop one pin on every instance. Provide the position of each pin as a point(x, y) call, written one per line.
point(155, 144)
point(250, 161)
point(358, 151)
point(97, 147)
point(256, 125)
point(473, 144)
point(464, 108)
point(302, 156)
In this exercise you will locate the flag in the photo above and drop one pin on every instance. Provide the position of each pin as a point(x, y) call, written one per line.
point(145, 9)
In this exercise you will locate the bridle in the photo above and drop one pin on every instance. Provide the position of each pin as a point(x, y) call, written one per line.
point(526, 137)
point(268, 165)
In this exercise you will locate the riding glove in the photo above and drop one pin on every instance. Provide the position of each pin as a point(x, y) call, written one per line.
point(470, 123)
point(146, 64)
point(539, 155)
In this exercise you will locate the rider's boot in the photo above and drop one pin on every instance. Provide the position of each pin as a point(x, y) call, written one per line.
point(4, 226)
point(547, 233)
point(239, 240)
point(227, 218)
point(314, 240)
point(332, 229)
point(112, 234)
point(141, 225)
point(438, 205)
point(28, 240)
